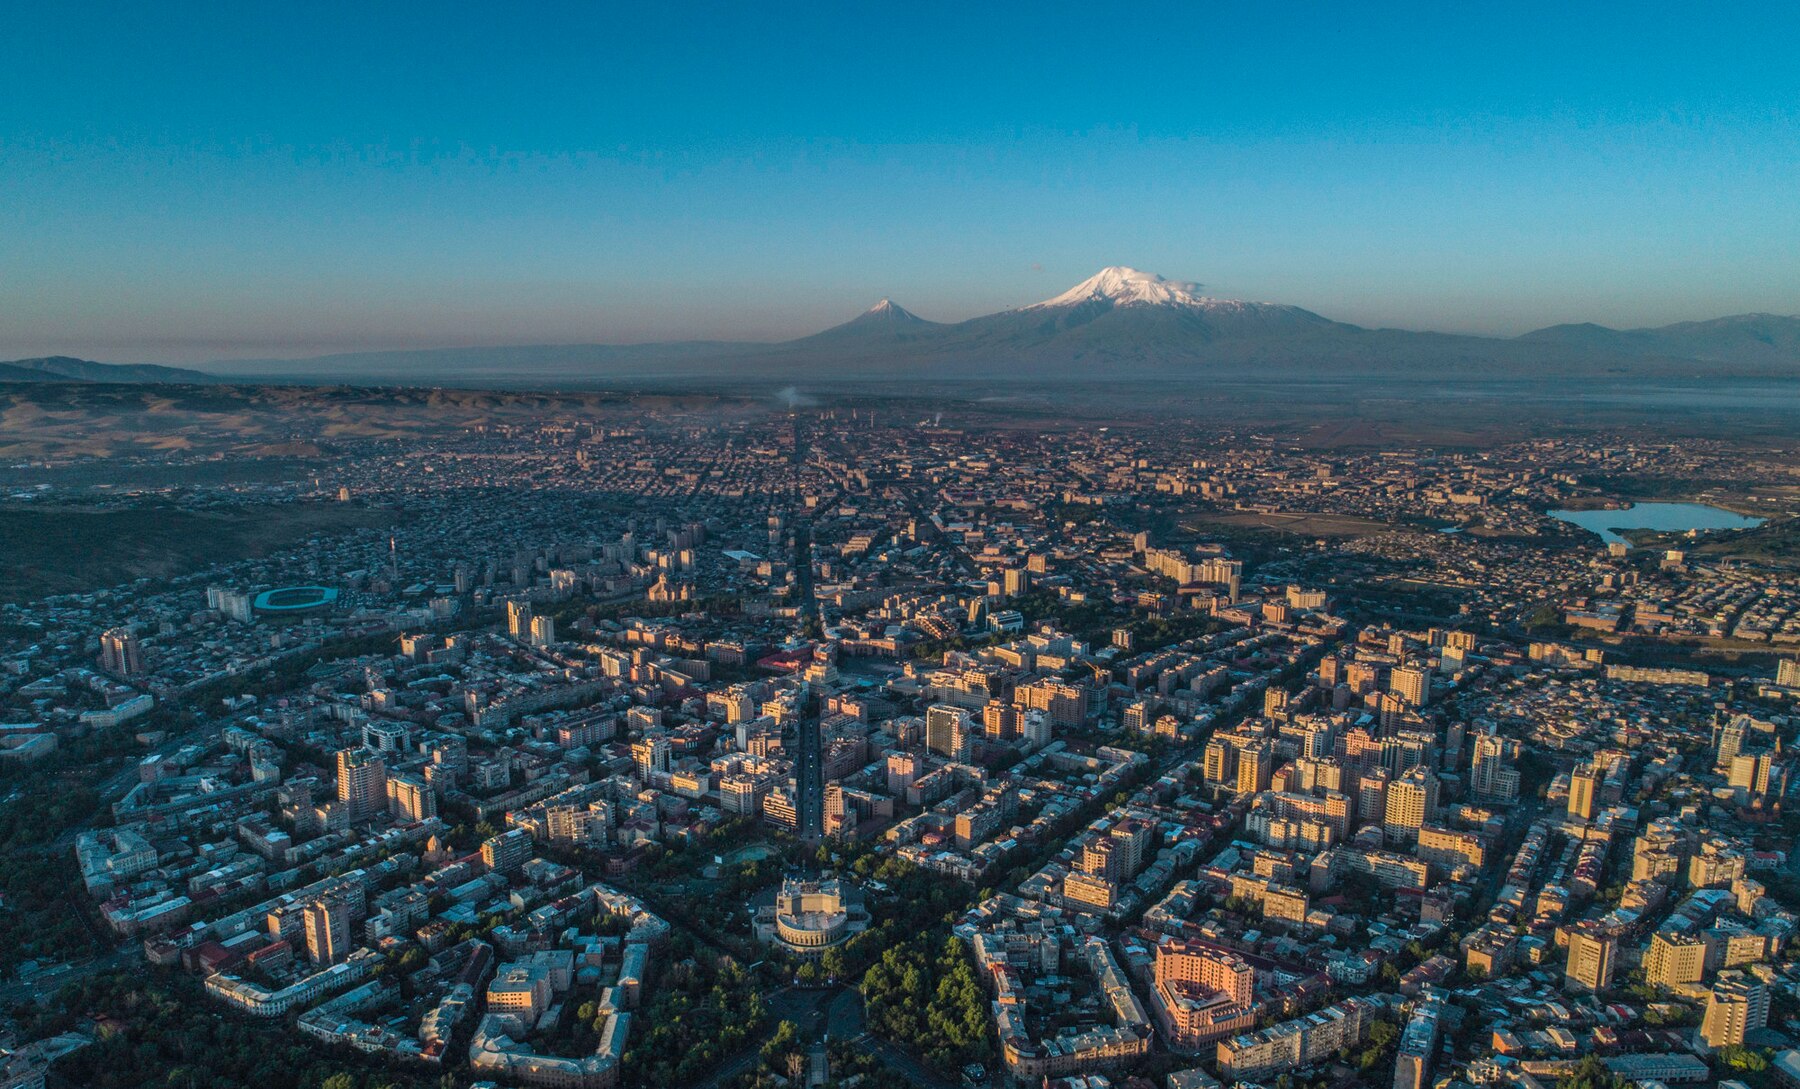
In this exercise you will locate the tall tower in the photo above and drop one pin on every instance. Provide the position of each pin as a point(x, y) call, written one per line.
point(327, 930)
point(362, 783)
point(120, 653)
point(518, 619)
point(1584, 785)
point(947, 730)
point(1411, 803)
point(1593, 952)
point(1255, 766)
point(1411, 683)
point(1737, 1006)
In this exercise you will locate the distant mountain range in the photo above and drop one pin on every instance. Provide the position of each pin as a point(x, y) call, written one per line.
point(1119, 325)
point(63, 368)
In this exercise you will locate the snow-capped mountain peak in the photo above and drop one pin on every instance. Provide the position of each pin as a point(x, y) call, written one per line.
point(1123, 286)
point(888, 312)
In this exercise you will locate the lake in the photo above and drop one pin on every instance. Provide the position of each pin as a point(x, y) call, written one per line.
point(1663, 517)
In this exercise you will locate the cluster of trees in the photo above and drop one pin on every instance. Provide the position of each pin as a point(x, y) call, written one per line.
point(34, 817)
point(1092, 620)
point(44, 917)
point(1670, 1015)
point(1591, 1073)
point(784, 1042)
point(1743, 1060)
point(849, 1061)
point(917, 905)
point(932, 1004)
point(1157, 632)
point(40, 883)
point(345, 1079)
point(1377, 1050)
point(157, 1031)
point(707, 1013)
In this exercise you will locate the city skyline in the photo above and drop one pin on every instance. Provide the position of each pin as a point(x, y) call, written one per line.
point(754, 546)
point(227, 184)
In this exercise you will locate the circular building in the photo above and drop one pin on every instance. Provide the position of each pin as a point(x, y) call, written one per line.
point(288, 600)
point(809, 917)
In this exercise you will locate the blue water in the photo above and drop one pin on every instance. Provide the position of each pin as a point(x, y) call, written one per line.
point(1663, 517)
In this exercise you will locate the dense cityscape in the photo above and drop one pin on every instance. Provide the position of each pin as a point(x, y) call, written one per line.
point(856, 546)
point(859, 743)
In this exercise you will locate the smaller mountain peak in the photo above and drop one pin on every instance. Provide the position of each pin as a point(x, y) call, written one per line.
point(887, 310)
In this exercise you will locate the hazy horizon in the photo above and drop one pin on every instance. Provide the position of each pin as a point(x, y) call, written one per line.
point(215, 183)
point(227, 351)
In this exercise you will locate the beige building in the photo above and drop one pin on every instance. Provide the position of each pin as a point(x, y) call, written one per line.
point(1412, 684)
point(1089, 890)
point(1593, 953)
point(1491, 771)
point(1411, 802)
point(1255, 764)
point(361, 784)
point(1449, 848)
point(410, 799)
point(327, 923)
point(1584, 789)
point(1674, 959)
point(1738, 1005)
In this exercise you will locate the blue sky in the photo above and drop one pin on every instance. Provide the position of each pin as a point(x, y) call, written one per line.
point(197, 181)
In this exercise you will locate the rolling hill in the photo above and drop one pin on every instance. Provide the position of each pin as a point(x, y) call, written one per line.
point(62, 368)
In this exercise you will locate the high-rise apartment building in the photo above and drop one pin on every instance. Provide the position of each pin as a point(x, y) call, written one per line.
point(1729, 735)
point(1001, 721)
point(120, 653)
point(651, 755)
point(1412, 684)
point(1491, 772)
point(1593, 953)
point(518, 619)
point(1202, 993)
point(411, 799)
point(1737, 1006)
point(1411, 802)
point(1674, 959)
point(506, 852)
point(1584, 790)
point(361, 784)
point(327, 923)
point(947, 730)
point(1255, 764)
point(1750, 774)
point(1220, 761)
point(1417, 1052)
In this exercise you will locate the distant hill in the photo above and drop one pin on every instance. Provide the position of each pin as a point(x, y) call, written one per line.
point(512, 365)
point(1119, 325)
point(63, 368)
point(1743, 339)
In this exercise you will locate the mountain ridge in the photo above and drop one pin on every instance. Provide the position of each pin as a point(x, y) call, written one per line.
point(1119, 324)
point(68, 368)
